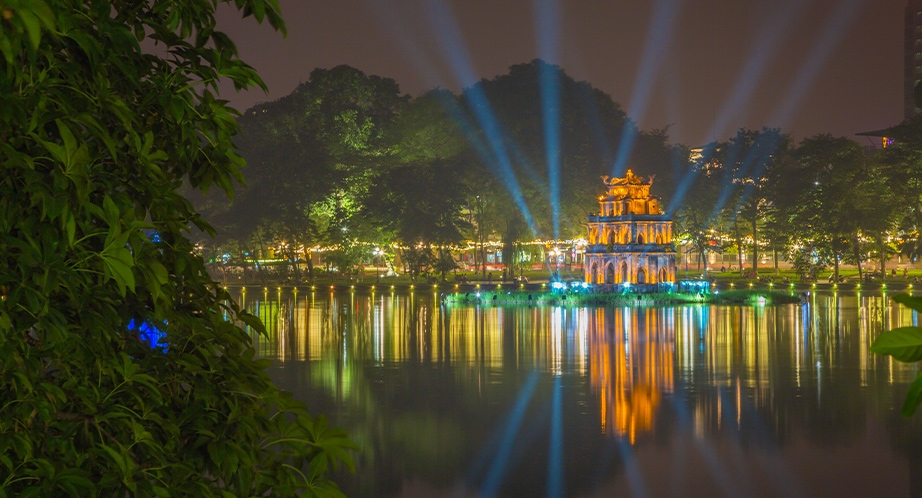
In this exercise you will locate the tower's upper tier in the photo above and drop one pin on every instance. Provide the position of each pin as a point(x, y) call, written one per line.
point(628, 195)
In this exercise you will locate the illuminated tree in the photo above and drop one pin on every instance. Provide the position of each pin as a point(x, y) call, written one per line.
point(590, 124)
point(902, 165)
point(696, 216)
point(312, 156)
point(756, 156)
point(830, 196)
point(422, 204)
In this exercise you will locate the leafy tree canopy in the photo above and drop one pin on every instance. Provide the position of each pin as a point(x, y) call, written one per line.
point(96, 135)
point(311, 152)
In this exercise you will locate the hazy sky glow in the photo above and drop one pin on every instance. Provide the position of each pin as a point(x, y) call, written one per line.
point(703, 67)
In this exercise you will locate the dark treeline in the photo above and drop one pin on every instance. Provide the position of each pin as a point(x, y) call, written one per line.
point(348, 162)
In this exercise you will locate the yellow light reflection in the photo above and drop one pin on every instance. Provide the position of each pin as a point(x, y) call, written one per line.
point(631, 367)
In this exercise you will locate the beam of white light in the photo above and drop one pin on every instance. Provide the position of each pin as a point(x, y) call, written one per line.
point(555, 454)
point(453, 48)
point(831, 35)
point(547, 12)
point(386, 14)
point(772, 34)
point(510, 430)
point(662, 28)
point(632, 470)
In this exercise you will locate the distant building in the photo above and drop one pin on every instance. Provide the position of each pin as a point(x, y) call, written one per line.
point(630, 240)
point(912, 55)
point(885, 137)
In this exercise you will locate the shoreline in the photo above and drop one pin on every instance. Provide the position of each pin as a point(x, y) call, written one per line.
point(544, 287)
point(541, 294)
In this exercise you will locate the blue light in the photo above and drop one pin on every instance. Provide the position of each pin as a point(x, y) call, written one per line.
point(150, 334)
point(453, 47)
point(555, 456)
point(659, 36)
point(547, 14)
point(829, 37)
point(508, 434)
point(770, 37)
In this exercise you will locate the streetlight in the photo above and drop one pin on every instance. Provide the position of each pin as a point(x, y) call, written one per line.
point(377, 253)
point(483, 259)
point(556, 253)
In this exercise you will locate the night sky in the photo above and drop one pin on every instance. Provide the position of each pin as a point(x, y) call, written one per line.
point(702, 67)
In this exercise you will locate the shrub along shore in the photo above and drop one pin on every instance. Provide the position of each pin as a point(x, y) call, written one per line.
point(519, 297)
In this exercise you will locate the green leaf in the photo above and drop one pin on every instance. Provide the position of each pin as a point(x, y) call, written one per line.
point(33, 28)
point(913, 397)
point(118, 263)
point(70, 227)
point(111, 213)
point(913, 302)
point(253, 321)
point(903, 344)
point(160, 271)
point(116, 456)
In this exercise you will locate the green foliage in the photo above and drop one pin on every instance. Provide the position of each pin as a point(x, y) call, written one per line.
point(420, 203)
point(347, 257)
point(578, 297)
point(904, 344)
point(313, 154)
point(805, 264)
point(417, 258)
point(96, 135)
point(901, 164)
point(695, 218)
point(590, 125)
point(514, 232)
point(830, 199)
point(444, 263)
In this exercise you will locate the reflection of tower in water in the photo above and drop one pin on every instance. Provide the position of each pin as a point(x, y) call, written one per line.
point(631, 366)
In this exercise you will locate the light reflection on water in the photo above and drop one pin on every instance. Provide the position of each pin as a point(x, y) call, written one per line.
point(656, 401)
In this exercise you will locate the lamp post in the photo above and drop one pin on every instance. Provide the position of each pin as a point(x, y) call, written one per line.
point(483, 256)
point(377, 253)
point(556, 253)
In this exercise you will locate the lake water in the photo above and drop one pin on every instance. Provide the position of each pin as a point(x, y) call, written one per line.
point(709, 401)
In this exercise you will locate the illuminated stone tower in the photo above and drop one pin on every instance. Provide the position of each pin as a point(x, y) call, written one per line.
point(630, 240)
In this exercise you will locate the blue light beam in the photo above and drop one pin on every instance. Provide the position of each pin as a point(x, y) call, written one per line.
point(688, 178)
point(632, 470)
point(453, 47)
point(510, 430)
point(750, 169)
point(665, 14)
point(401, 33)
point(547, 13)
point(555, 455)
point(771, 34)
point(830, 36)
